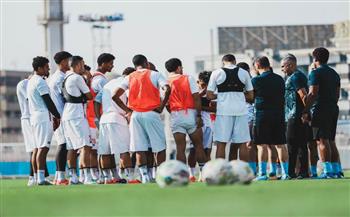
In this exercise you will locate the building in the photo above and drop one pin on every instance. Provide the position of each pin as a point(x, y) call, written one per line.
point(10, 114)
point(276, 41)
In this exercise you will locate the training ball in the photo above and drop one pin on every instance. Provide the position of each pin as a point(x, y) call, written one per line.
point(243, 171)
point(218, 172)
point(172, 173)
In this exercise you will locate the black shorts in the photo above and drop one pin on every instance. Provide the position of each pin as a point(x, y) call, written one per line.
point(270, 130)
point(324, 125)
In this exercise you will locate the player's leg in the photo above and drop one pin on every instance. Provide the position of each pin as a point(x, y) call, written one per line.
point(197, 140)
point(223, 130)
point(284, 159)
point(191, 161)
point(93, 155)
point(262, 162)
point(180, 141)
point(240, 136)
point(34, 165)
point(72, 156)
point(43, 134)
point(313, 156)
point(61, 159)
point(272, 156)
point(336, 165)
point(150, 163)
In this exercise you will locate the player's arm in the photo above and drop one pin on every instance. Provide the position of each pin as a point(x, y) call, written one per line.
point(211, 87)
point(51, 106)
point(198, 107)
point(116, 98)
point(303, 95)
point(310, 99)
point(164, 102)
point(249, 96)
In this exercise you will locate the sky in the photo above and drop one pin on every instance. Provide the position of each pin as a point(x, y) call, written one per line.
point(159, 30)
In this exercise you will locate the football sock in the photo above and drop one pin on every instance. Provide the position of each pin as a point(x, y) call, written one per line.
point(88, 177)
point(60, 175)
point(327, 167)
point(41, 176)
point(154, 172)
point(144, 173)
point(335, 167)
point(273, 168)
point(262, 168)
point(252, 166)
point(284, 166)
point(313, 170)
point(107, 174)
point(192, 171)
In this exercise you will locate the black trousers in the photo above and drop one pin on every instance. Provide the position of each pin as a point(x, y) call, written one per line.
point(297, 137)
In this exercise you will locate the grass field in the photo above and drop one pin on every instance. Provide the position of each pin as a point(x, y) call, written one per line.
point(267, 198)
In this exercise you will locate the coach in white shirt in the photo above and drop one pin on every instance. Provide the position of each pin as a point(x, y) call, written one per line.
point(75, 125)
point(55, 84)
point(234, 88)
point(40, 107)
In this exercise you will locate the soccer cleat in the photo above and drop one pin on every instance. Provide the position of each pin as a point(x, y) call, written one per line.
point(61, 182)
point(134, 181)
point(192, 179)
point(339, 175)
point(325, 176)
point(285, 177)
point(31, 182)
point(119, 181)
point(108, 182)
point(261, 178)
point(91, 182)
point(45, 182)
point(272, 176)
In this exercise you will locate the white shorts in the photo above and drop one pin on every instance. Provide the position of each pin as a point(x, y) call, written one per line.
point(232, 129)
point(43, 133)
point(59, 135)
point(77, 133)
point(27, 132)
point(207, 137)
point(114, 139)
point(93, 138)
point(146, 128)
point(183, 121)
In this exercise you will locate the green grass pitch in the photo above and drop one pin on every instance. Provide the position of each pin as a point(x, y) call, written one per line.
point(266, 198)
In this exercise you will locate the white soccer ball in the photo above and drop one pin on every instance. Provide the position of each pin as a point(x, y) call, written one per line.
point(243, 171)
point(172, 173)
point(218, 172)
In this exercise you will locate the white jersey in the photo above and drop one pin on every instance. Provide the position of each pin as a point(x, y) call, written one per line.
point(75, 86)
point(230, 103)
point(21, 91)
point(37, 87)
point(98, 82)
point(112, 113)
point(55, 84)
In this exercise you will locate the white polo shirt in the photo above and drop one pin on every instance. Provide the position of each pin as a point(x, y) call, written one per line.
point(157, 80)
point(55, 84)
point(112, 113)
point(37, 87)
point(75, 86)
point(230, 103)
point(21, 91)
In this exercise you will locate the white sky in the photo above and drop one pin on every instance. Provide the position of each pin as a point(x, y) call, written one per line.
point(160, 30)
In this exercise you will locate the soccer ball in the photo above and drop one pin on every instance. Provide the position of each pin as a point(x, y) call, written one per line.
point(243, 171)
point(172, 173)
point(218, 172)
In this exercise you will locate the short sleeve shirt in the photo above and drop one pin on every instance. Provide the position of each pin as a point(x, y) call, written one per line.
point(230, 103)
point(293, 103)
point(328, 81)
point(37, 87)
point(55, 85)
point(157, 80)
point(75, 86)
point(22, 97)
point(269, 91)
